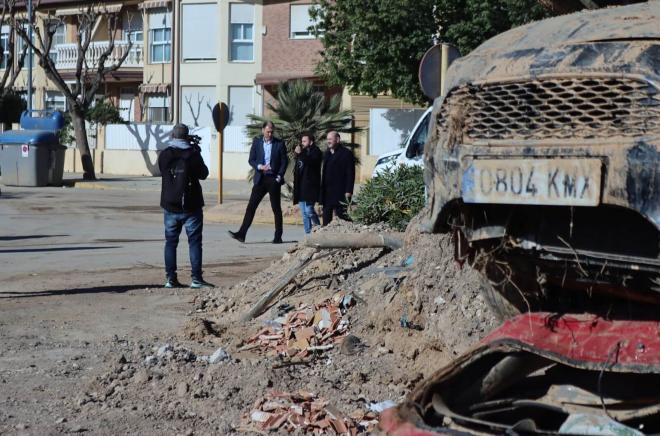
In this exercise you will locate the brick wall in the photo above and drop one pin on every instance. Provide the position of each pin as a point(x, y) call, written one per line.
point(280, 53)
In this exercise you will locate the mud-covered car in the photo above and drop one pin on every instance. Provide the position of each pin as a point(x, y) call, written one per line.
point(545, 160)
point(545, 165)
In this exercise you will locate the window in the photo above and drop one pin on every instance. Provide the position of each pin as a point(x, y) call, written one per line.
point(132, 27)
point(55, 100)
point(197, 45)
point(301, 22)
point(4, 46)
point(158, 106)
point(241, 104)
point(419, 138)
point(160, 25)
point(133, 31)
point(242, 33)
point(19, 47)
point(59, 37)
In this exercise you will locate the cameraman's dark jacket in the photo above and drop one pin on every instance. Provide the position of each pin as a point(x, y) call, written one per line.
point(197, 171)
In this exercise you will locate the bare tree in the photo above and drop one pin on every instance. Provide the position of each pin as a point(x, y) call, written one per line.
point(90, 72)
point(12, 68)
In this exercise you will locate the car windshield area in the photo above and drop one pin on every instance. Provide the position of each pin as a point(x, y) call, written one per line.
point(416, 146)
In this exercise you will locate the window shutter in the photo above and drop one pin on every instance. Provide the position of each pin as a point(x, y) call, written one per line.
point(200, 31)
point(300, 19)
point(160, 18)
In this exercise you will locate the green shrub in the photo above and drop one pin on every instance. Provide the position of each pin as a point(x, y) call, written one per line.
point(392, 197)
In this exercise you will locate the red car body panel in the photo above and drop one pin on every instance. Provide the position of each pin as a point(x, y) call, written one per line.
point(582, 341)
point(585, 339)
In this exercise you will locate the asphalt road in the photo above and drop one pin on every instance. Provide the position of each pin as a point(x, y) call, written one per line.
point(69, 229)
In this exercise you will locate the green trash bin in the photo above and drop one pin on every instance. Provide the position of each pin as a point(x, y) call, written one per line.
point(31, 158)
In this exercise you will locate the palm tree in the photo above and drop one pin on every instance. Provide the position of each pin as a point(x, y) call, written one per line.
point(300, 108)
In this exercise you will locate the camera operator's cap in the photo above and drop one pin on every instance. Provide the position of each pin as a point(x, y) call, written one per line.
point(180, 131)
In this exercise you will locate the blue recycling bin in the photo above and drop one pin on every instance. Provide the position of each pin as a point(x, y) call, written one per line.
point(33, 157)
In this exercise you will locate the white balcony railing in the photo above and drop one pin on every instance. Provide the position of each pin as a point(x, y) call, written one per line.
point(66, 55)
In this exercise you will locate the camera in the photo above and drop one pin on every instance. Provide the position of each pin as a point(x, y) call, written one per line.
point(194, 140)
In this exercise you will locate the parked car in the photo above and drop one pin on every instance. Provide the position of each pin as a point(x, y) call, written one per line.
point(386, 161)
point(411, 152)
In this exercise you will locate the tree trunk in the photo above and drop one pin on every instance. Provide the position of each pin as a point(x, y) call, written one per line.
point(80, 132)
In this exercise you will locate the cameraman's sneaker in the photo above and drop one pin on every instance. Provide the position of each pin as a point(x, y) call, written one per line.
point(200, 283)
point(173, 283)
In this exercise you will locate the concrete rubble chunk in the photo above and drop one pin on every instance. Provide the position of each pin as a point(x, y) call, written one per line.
point(220, 355)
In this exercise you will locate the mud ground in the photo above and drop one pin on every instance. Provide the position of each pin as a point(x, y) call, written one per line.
point(58, 336)
point(108, 351)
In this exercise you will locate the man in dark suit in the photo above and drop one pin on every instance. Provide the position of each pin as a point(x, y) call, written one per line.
point(337, 180)
point(307, 179)
point(269, 159)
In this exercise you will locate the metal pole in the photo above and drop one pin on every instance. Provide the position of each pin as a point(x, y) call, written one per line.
point(444, 65)
point(221, 146)
point(29, 92)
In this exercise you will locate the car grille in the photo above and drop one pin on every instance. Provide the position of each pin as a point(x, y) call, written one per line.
point(553, 108)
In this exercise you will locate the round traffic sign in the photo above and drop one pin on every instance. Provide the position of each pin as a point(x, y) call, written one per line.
point(430, 68)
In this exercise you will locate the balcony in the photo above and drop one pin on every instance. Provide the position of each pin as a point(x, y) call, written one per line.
point(66, 55)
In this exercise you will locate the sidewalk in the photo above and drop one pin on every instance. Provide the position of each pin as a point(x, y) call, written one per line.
point(232, 189)
point(235, 198)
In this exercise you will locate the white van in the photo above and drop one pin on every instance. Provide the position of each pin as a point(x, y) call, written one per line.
point(412, 151)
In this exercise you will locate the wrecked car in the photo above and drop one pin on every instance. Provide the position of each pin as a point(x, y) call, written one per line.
point(545, 160)
point(544, 163)
point(543, 373)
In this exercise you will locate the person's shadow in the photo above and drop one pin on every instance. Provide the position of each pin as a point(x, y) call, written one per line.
point(116, 289)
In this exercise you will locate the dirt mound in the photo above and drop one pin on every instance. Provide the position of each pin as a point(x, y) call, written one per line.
point(198, 329)
point(411, 311)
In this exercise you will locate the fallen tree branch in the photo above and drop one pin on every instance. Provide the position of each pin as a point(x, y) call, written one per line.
point(355, 240)
point(263, 303)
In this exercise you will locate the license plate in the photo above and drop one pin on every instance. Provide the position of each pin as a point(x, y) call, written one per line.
point(562, 182)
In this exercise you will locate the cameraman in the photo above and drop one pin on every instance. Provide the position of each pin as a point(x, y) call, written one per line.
point(181, 168)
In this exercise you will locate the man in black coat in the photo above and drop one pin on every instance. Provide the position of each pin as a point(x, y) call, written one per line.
point(269, 159)
point(307, 179)
point(181, 168)
point(337, 180)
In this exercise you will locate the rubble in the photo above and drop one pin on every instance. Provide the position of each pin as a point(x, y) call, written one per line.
point(304, 331)
point(335, 330)
point(220, 355)
point(304, 411)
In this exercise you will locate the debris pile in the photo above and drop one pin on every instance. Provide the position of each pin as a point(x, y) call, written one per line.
point(304, 331)
point(359, 326)
point(303, 411)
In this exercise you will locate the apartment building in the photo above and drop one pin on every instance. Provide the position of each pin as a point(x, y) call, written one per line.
point(185, 57)
point(122, 86)
point(221, 54)
point(291, 51)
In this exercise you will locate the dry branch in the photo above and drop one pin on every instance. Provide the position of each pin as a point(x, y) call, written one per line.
point(282, 283)
point(355, 240)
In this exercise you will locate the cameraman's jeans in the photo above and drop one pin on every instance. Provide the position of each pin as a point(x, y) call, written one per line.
point(193, 222)
point(309, 215)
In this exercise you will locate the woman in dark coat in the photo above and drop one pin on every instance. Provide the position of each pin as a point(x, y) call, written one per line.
point(307, 179)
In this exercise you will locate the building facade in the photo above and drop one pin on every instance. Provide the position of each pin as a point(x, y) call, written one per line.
point(184, 57)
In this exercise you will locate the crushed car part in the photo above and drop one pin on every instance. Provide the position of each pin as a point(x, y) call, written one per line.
point(535, 371)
